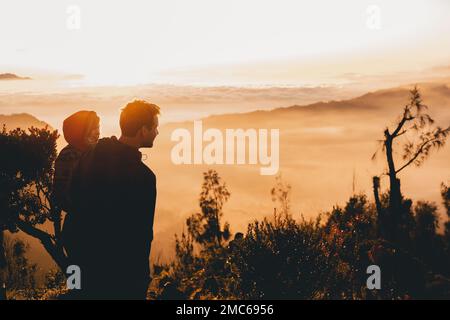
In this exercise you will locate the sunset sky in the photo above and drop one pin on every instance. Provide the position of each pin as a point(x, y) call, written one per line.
point(211, 41)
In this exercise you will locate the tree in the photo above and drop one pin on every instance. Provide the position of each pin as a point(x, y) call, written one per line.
point(20, 273)
point(26, 177)
point(281, 194)
point(204, 274)
point(427, 244)
point(445, 193)
point(350, 230)
point(205, 226)
point(416, 134)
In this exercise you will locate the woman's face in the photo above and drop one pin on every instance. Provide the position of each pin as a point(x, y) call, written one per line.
point(94, 135)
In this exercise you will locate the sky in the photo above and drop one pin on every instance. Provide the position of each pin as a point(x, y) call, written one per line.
point(209, 41)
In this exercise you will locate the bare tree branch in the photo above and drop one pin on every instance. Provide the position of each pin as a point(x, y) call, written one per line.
point(418, 153)
point(402, 122)
point(403, 132)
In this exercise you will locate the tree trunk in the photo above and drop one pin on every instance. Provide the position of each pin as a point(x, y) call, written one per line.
point(395, 197)
point(54, 249)
point(57, 226)
point(380, 212)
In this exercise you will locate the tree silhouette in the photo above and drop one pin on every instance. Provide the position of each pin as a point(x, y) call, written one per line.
point(416, 135)
point(26, 187)
point(205, 226)
point(282, 258)
point(281, 194)
point(20, 273)
point(445, 193)
point(425, 237)
point(208, 269)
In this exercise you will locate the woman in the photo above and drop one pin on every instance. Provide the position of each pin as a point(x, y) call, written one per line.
point(81, 132)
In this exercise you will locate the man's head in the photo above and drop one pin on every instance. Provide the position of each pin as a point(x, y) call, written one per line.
point(139, 121)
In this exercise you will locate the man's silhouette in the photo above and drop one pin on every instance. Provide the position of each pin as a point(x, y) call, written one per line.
point(114, 197)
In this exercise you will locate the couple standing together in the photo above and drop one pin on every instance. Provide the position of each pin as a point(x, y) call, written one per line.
point(109, 196)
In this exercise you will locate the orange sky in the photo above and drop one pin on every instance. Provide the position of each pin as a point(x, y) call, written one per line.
point(217, 42)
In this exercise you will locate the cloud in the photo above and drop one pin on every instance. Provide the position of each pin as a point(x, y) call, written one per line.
point(12, 76)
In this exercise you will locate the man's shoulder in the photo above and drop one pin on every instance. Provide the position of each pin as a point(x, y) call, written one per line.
point(69, 153)
point(144, 171)
point(102, 152)
point(150, 173)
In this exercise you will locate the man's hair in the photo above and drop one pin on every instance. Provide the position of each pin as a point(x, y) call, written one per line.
point(135, 115)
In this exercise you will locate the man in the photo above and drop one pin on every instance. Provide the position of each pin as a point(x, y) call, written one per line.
point(113, 195)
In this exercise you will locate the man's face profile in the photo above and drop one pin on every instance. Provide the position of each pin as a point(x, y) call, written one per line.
point(149, 133)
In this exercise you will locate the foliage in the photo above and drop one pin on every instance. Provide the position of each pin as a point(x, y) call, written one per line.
point(26, 175)
point(282, 258)
point(204, 227)
point(19, 273)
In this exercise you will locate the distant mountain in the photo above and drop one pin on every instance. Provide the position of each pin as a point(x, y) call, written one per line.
point(383, 104)
point(12, 76)
point(21, 120)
